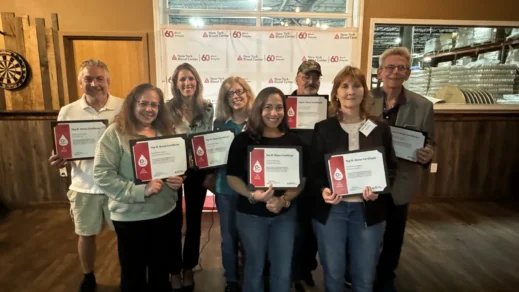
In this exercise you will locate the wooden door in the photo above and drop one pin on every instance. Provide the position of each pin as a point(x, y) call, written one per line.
point(126, 59)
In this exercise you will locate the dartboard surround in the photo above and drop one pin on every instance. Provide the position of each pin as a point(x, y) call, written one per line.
point(13, 70)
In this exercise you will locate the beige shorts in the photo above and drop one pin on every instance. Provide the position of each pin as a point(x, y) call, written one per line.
point(89, 212)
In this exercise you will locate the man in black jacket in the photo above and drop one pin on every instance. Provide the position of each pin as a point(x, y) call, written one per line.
point(308, 80)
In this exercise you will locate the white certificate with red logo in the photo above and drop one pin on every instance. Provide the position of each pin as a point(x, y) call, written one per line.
point(211, 149)
point(158, 158)
point(350, 172)
point(278, 166)
point(304, 111)
point(76, 140)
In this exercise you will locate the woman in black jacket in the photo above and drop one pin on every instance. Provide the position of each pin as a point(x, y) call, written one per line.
point(349, 228)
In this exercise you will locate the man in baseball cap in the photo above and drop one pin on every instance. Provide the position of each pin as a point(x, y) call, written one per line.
point(308, 78)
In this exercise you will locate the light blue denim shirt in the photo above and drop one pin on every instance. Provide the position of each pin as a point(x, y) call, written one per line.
point(222, 188)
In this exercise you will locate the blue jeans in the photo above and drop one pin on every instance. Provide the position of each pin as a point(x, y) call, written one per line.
point(226, 205)
point(346, 234)
point(272, 237)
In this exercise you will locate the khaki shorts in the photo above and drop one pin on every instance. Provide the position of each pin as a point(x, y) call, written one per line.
point(89, 211)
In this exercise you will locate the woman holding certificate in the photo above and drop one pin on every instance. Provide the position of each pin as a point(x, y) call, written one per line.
point(266, 159)
point(142, 214)
point(190, 114)
point(349, 215)
point(232, 110)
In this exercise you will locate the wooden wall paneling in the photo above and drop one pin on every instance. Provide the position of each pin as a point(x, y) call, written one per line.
point(24, 161)
point(35, 101)
point(53, 69)
point(57, 58)
point(2, 100)
point(9, 43)
point(44, 63)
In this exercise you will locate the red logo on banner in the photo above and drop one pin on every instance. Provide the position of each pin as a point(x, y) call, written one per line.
point(303, 35)
point(174, 58)
point(205, 58)
point(206, 80)
point(141, 159)
point(271, 35)
point(338, 175)
point(169, 34)
point(205, 34)
point(200, 151)
point(257, 165)
point(240, 58)
point(63, 144)
point(271, 81)
point(236, 34)
point(304, 59)
point(292, 112)
point(336, 36)
point(334, 59)
point(271, 58)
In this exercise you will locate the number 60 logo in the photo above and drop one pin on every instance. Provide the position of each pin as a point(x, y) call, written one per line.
point(271, 58)
point(169, 34)
point(334, 59)
point(236, 34)
point(205, 58)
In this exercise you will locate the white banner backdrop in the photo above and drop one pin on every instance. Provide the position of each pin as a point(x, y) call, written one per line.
point(263, 58)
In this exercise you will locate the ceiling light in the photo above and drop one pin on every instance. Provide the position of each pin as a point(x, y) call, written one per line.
point(324, 26)
point(427, 59)
point(318, 24)
point(286, 23)
point(298, 9)
point(267, 8)
point(196, 22)
point(398, 40)
point(308, 21)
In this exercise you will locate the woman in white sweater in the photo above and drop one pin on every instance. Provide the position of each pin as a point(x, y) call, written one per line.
point(142, 214)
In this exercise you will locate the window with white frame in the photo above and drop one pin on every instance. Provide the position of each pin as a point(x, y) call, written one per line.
point(303, 13)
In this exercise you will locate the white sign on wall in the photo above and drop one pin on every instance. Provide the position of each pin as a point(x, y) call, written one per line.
point(263, 58)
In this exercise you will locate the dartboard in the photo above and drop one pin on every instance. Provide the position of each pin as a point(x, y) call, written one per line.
point(13, 70)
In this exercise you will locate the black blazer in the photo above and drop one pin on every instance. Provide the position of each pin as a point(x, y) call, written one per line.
point(329, 137)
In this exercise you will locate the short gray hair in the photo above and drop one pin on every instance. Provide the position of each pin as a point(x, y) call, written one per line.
point(92, 63)
point(397, 51)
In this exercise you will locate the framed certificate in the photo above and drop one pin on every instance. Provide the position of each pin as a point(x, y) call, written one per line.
point(281, 166)
point(304, 111)
point(350, 172)
point(76, 140)
point(407, 142)
point(159, 157)
point(211, 149)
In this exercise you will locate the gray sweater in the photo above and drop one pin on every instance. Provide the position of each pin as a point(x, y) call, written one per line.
point(113, 173)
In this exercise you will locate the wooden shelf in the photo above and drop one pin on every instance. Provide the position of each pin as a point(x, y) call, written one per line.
point(476, 50)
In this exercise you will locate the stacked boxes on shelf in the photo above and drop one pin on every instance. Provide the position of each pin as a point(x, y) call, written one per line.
point(432, 45)
point(439, 77)
point(464, 37)
point(496, 79)
point(418, 82)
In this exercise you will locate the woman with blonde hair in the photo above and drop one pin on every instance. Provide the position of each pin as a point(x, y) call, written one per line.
point(235, 100)
point(190, 114)
point(142, 214)
point(349, 229)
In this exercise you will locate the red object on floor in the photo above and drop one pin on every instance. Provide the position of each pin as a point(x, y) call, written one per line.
point(209, 204)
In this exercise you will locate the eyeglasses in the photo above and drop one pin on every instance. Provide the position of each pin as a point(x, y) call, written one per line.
point(269, 108)
point(230, 93)
point(144, 104)
point(307, 78)
point(391, 68)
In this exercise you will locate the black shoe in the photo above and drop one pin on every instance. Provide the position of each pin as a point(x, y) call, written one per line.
point(232, 287)
point(88, 285)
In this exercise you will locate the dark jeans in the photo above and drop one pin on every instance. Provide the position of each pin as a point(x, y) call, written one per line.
point(188, 257)
point(305, 247)
point(272, 237)
point(226, 205)
point(345, 234)
point(144, 253)
point(392, 247)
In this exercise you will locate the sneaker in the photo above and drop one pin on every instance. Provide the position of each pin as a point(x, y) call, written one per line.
point(232, 287)
point(88, 285)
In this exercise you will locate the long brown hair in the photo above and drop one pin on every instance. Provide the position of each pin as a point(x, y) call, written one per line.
point(126, 120)
point(223, 109)
point(255, 124)
point(176, 104)
point(355, 74)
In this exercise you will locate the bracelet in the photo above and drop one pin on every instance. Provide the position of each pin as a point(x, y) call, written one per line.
point(251, 198)
point(287, 202)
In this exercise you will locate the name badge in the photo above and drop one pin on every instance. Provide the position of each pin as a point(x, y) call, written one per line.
point(367, 127)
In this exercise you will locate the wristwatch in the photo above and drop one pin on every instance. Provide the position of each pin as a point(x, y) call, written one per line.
point(251, 198)
point(287, 202)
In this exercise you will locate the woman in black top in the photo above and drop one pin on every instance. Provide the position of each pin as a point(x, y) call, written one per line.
point(349, 229)
point(265, 219)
